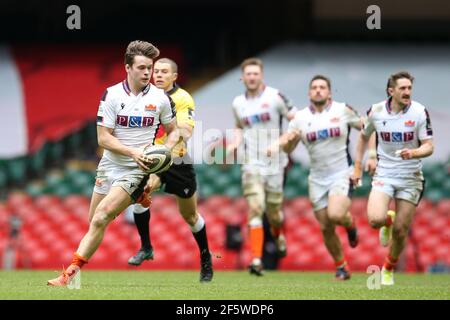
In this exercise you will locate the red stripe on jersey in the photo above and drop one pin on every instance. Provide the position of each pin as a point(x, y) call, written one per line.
point(160, 132)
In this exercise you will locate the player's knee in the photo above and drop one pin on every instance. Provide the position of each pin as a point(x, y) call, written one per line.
point(100, 220)
point(336, 217)
point(252, 214)
point(101, 217)
point(256, 209)
point(376, 219)
point(274, 215)
point(190, 218)
point(377, 222)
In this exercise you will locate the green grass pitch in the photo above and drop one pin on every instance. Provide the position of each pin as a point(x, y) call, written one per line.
point(184, 285)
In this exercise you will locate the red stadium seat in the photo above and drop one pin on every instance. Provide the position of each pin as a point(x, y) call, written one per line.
point(53, 228)
point(424, 205)
point(16, 199)
point(443, 207)
point(46, 201)
point(73, 201)
point(240, 204)
point(359, 206)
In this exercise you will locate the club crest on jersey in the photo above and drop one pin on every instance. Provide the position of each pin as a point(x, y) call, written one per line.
point(134, 121)
point(150, 107)
point(334, 120)
point(410, 123)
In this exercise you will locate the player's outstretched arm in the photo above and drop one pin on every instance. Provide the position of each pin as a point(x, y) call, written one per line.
point(426, 149)
point(107, 141)
point(371, 163)
point(360, 149)
point(185, 131)
point(237, 140)
point(173, 134)
point(287, 142)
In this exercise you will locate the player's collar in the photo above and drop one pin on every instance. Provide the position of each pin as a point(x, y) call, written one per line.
point(389, 108)
point(327, 108)
point(259, 93)
point(127, 89)
point(146, 89)
point(175, 88)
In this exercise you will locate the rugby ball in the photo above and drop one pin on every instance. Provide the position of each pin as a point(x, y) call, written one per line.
point(158, 158)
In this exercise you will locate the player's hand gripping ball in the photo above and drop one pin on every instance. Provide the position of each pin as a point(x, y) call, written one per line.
point(158, 158)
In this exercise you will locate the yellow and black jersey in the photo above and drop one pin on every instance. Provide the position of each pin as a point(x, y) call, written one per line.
point(184, 107)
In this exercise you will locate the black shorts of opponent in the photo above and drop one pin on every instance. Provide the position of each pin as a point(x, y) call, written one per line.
point(179, 179)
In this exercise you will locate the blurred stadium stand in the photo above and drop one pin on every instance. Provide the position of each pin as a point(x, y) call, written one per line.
point(52, 78)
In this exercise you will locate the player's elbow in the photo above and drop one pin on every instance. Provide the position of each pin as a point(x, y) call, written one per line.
point(288, 147)
point(101, 140)
point(430, 149)
point(364, 137)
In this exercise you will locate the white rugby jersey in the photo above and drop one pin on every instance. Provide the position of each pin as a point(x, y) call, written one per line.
point(326, 136)
point(134, 119)
point(396, 131)
point(261, 119)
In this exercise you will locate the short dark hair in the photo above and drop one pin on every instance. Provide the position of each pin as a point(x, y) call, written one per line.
point(172, 63)
point(321, 77)
point(140, 48)
point(252, 62)
point(392, 81)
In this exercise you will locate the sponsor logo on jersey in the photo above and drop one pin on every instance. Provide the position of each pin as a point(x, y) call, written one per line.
point(311, 136)
point(410, 123)
point(134, 121)
point(256, 118)
point(397, 136)
point(385, 136)
point(408, 136)
point(335, 132)
point(323, 134)
point(265, 105)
